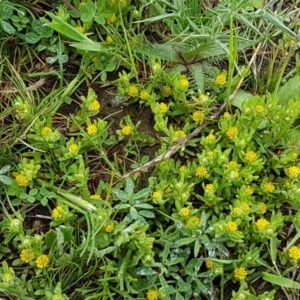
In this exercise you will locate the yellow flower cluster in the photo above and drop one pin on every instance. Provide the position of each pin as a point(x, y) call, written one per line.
point(226, 115)
point(198, 116)
point(232, 165)
point(57, 212)
point(92, 130)
point(45, 131)
point(185, 212)
point(293, 171)
point(259, 109)
point(133, 91)
point(184, 83)
point(232, 226)
point(163, 107)
point(127, 130)
point(240, 273)
point(109, 39)
point(232, 132)
point(294, 253)
point(261, 224)
point(156, 195)
point(210, 265)
point(211, 137)
point(193, 222)
point(112, 19)
point(220, 80)
point(245, 206)
point(152, 295)
point(27, 255)
point(201, 172)
point(250, 156)
point(21, 180)
point(262, 208)
point(80, 28)
point(167, 91)
point(179, 134)
point(73, 149)
point(95, 196)
point(94, 106)
point(144, 95)
point(42, 261)
point(209, 187)
point(269, 187)
point(109, 228)
point(249, 190)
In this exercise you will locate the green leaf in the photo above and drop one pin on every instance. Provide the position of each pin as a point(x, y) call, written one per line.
point(5, 169)
point(99, 19)
point(134, 213)
point(147, 214)
point(7, 27)
point(289, 91)
point(281, 281)
point(88, 46)
point(185, 241)
point(143, 205)
point(32, 38)
point(197, 72)
point(33, 192)
point(142, 193)
point(87, 17)
point(5, 180)
point(183, 286)
point(68, 233)
point(5, 11)
point(174, 261)
point(101, 253)
point(120, 195)
point(239, 98)
point(50, 239)
point(129, 186)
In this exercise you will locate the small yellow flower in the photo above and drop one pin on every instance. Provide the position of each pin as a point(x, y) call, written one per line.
point(94, 106)
point(198, 116)
point(193, 222)
point(58, 297)
point(96, 197)
point(133, 91)
point(179, 134)
point(167, 91)
point(21, 180)
point(232, 132)
point(185, 212)
point(211, 137)
point(294, 253)
point(92, 130)
point(240, 273)
point(112, 19)
point(249, 190)
point(156, 195)
point(226, 115)
point(80, 29)
point(144, 94)
point(293, 171)
point(232, 226)
point(202, 97)
point(209, 187)
point(95, 59)
point(156, 67)
point(269, 187)
point(182, 169)
point(109, 228)
point(45, 131)
point(262, 208)
point(232, 165)
point(221, 80)
point(57, 212)
point(127, 130)
point(83, 3)
point(152, 295)
point(250, 156)
point(210, 265)
point(73, 149)
point(210, 153)
point(109, 39)
point(8, 278)
point(42, 261)
point(201, 172)
point(261, 223)
point(245, 206)
point(27, 255)
point(259, 109)
point(237, 211)
point(184, 83)
point(163, 107)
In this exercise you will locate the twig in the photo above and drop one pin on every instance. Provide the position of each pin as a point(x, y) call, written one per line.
point(30, 88)
point(184, 140)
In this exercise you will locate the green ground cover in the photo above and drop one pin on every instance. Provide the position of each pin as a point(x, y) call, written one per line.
point(149, 149)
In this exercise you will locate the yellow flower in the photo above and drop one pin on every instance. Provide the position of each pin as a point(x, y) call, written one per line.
point(185, 212)
point(293, 171)
point(80, 29)
point(179, 134)
point(210, 153)
point(27, 255)
point(210, 265)
point(95, 196)
point(144, 95)
point(261, 223)
point(269, 187)
point(245, 207)
point(193, 222)
point(152, 295)
point(232, 226)
point(262, 208)
point(57, 213)
point(112, 19)
point(156, 67)
point(294, 253)
point(58, 297)
point(45, 131)
point(232, 165)
point(95, 59)
point(127, 130)
point(232, 132)
point(133, 91)
point(201, 172)
point(163, 108)
point(240, 273)
point(202, 98)
point(167, 91)
point(209, 187)
point(198, 116)
point(156, 195)
point(8, 278)
point(73, 149)
point(92, 130)
point(21, 180)
point(249, 191)
point(182, 169)
point(221, 80)
point(237, 211)
point(226, 115)
point(184, 83)
point(211, 137)
point(94, 106)
point(109, 228)
point(109, 39)
point(259, 109)
point(251, 156)
point(42, 261)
